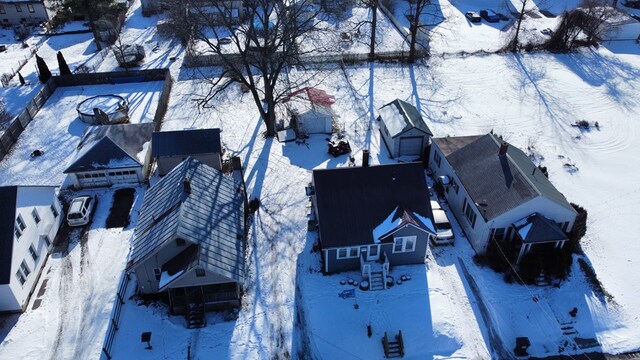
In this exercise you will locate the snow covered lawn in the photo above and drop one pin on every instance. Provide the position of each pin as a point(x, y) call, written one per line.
point(56, 130)
point(80, 285)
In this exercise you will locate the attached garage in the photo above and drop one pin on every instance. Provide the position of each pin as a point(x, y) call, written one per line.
point(112, 154)
point(403, 129)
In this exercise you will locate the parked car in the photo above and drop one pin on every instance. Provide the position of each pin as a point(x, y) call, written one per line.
point(473, 16)
point(80, 210)
point(444, 232)
point(3, 48)
point(490, 16)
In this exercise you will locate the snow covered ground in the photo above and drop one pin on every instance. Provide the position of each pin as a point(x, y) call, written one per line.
point(56, 130)
point(289, 309)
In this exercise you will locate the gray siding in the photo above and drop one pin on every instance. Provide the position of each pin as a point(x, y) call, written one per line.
point(393, 144)
point(144, 271)
point(13, 17)
point(168, 163)
point(190, 279)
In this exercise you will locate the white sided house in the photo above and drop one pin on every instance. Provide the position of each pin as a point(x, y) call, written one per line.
point(112, 154)
point(372, 218)
point(310, 110)
point(28, 12)
point(29, 220)
point(403, 129)
point(170, 148)
point(496, 192)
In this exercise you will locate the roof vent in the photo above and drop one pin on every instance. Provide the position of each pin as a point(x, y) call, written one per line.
point(186, 185)
point(503, 149)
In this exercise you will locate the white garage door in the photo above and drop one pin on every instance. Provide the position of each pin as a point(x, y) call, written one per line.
point(411, 146)
point(107, 178)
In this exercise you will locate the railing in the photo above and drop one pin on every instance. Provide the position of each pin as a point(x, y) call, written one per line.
point(385, 268)
point(115, 317)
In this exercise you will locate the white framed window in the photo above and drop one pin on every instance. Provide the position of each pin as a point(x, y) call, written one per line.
point(348, 253)
point(34, 254)
point(404, 244)
point(25, 269)
point(54, 211)
point(18, 8)
point(47, 241)
point(20, 223)
point(342, 253)
point(35, 215)
point(469, 213)
point(200, 272)
point(20, 277)
point(31, 9)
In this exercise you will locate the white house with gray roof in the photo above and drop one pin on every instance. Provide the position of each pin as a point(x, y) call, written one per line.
point(190, 239)
point(30, 12)
point(403, 129)
point(495, 191)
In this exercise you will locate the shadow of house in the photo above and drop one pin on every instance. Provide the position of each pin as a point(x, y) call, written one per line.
point(492, 186)
point(189, 244)
point(30, 217)
point(170, 148)
point(112, 154)
point(403, 130)
point(371, 218)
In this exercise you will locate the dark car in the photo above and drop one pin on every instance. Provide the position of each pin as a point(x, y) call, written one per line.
point(473, 16)
point(490, 16)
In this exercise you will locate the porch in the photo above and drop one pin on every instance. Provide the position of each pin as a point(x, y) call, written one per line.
point(375, 271)
point(205, 297)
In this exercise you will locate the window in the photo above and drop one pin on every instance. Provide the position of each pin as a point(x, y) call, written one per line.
point(342, 253)
point(2, 11)
point(454, 184)
point(404, 244)
point(157, 273)
point(498, 234)
point(18, 8)
point(33, 253)
point(348, 253)
point(20, 277)
point(180, 242)
point(25, 268)
point(17, 232)
point(46, 240)
point(199, 272)
point(35, 215)
point(436, 157)
point(54, 211)
point(30, 7)
point(353, 252)
point(20, 223)
point(469, 213)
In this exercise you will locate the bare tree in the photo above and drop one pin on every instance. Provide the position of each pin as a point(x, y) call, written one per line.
point(581, 26)
point(374, 25)
point(597, 13)
point(514, 41)
point(416, 9)
point(252, 43)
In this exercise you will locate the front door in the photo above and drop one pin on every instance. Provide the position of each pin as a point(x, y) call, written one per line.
point(374, 253)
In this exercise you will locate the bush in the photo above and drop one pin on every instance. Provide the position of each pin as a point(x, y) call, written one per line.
point(579, 227)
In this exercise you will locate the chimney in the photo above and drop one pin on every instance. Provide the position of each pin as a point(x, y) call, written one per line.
point(503, 149)
point(186, 185)
point(365, 158)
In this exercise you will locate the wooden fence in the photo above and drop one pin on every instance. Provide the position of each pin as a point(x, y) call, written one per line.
point(20, 122)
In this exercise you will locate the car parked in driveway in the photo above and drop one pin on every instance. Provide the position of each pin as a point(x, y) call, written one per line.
point(473, 16)
point(80, 210)
point(444, 232)
point(490, 16)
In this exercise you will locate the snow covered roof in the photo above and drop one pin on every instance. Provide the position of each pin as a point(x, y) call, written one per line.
point(210, 214)
point(186, 142)
point(310, 99)
point(399, 218)
point(400, 116)
point(500, 183)
point(111, 147)
point(353, 201)
point(7, 220)
point(538, 229)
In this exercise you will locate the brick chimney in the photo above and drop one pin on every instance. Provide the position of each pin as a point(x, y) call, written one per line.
point(503, 149)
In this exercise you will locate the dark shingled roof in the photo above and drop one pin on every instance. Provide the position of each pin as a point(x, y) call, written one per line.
point(8, 196)
point(538, 229)
point(352, 201)
point(411, 116)
point(211, 215)
point(186, 142)
point(500, 183)
point(111, 147)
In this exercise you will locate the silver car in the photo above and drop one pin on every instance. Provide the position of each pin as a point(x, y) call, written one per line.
point(444, 232)
point(80, 210)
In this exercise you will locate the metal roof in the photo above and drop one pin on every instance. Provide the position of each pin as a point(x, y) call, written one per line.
point(8, 196)
point(496, 183)
point(405, 115)
point(210, 215)
point(353, 201)
point(110, 147)
point(185, 142)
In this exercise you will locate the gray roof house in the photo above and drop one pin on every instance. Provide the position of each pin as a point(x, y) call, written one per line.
point(372, 215)
point(403, 130)
point(189, 242)
point(494, 190)
point(112, 154)
point(169, 148)
point(28, 12)
point(29, 220)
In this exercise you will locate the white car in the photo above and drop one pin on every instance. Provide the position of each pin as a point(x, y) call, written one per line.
point(80, 210)
point(444, 232)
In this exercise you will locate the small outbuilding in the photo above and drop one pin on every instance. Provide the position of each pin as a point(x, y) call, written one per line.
point(310, 111)
point(170, 148)
point(112, 154)
point(403, 130)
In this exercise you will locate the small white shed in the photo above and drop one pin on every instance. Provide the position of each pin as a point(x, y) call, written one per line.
point(310, 110)
point(403, 129)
